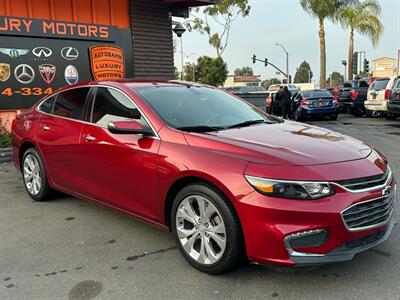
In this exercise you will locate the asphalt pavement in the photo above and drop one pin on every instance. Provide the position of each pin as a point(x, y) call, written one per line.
point(71, 249)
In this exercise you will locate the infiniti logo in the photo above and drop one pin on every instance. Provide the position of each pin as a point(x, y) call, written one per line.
point(69, 53)
point(42, 52)
point(24, 74)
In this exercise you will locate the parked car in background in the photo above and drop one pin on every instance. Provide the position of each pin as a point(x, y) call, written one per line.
point(254, 95)
point(369, 80)
point(394, 101)
point(229, 181)
point(314, 103)
point(291, 87)
point(352, 97)
point(378, 96)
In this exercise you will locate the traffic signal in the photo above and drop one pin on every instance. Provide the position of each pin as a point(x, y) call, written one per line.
point(355, 63)
point(254, 59)
point(266, 62)
point(366, 66)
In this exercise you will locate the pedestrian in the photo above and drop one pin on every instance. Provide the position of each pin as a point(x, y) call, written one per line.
point(276, 102)
point(286, 102)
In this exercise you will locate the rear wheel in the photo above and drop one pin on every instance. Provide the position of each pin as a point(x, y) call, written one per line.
point(206, 229)
point(34, 176)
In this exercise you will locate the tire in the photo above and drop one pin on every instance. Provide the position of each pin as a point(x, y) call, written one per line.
point(297, 117)
point(333, 117)
point(219, 233)
point(34, 176)
point(368, 113)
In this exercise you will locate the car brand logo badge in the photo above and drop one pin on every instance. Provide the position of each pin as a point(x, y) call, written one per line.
point(14, 53)
point(24, 74)
point(71, 75)
point(48, 73)
point(5, 70)
point(69, 53)
point(107, 62)
point(386, 191)
point(42, 52)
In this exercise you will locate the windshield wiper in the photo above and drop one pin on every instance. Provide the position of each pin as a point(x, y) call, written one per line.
point(200, 128)
point(248, 123)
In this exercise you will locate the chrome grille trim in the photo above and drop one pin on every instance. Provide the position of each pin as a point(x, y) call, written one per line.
point(369, 217)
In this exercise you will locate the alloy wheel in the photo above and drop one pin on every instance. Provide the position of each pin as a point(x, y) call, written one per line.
point(32, 175)
point(201, 230)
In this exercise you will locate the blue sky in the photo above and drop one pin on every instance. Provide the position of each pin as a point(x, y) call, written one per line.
point(284, 21)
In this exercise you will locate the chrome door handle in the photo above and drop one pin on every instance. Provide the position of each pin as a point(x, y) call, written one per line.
point(90, 138)
point(45, 128)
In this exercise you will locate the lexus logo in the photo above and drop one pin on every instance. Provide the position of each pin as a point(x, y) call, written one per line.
point(24, 74)
point(42, 52)
point(69, 53)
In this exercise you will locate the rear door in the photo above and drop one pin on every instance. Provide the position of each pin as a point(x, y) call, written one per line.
point(118, 169)
point(376, 92)
point(58, 136)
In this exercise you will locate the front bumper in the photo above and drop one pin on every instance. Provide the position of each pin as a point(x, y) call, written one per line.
point(267, 222)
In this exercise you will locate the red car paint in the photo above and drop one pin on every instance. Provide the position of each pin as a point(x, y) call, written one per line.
point(134, 174)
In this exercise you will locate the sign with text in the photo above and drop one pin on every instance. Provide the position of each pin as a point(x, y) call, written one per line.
point(107, 62)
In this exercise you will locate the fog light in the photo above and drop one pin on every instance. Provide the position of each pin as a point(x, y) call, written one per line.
point(306, 239)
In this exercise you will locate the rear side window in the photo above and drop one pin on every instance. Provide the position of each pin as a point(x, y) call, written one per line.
point(111, 105)
point(70, 104)
point(47, 106)
point(379, 85)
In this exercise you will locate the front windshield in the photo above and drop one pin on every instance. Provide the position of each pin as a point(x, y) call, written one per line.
point(185, 107)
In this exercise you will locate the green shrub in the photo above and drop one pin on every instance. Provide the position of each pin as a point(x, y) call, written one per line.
point(5, 139)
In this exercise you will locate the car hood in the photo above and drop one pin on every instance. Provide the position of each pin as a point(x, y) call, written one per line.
point(288, 143)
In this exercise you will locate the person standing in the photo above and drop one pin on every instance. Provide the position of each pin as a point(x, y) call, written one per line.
point(276, 104)
point(286, 102)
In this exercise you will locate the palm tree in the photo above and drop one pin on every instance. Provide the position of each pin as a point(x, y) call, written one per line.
point(322, 10)
point(364, 18)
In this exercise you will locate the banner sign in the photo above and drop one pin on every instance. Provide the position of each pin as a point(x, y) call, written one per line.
point(39, 56)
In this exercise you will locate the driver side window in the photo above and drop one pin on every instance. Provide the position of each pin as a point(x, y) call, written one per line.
point(112, 105)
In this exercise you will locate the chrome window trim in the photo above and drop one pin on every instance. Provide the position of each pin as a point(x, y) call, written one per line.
point(156, 136)
point(375, 225)
point(374, 188)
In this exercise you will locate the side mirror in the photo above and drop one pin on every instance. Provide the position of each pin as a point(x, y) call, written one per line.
point(128, 127)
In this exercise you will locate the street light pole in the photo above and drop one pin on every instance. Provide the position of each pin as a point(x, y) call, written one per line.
point(182, 58)
point(179, 30)
point(287, 60)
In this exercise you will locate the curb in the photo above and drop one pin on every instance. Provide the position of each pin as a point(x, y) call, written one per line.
point(5, 155)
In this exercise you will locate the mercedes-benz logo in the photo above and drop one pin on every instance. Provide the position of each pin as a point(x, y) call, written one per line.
point(69, 53)
point(42, 52)
point(24, 74)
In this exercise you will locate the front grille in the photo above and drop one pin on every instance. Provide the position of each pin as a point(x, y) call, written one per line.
point(369, 214)
point(366, 183)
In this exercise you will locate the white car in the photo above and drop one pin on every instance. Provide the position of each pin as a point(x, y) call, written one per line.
point(378, 95)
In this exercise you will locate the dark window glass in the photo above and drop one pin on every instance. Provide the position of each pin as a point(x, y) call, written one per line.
point(379, 85)
point(111, 105)
point(70, 104)
point(47, 106)
point(364, 84)
point(180, 106)
point(347, 85)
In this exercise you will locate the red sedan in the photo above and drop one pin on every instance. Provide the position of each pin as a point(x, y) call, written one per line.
point(228, 180)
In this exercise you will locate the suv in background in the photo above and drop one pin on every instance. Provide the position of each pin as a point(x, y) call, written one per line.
point(352, 96)
point(394, 101)
point(378, 96)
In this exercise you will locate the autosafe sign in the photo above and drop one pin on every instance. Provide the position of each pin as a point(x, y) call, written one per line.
point(40, 56)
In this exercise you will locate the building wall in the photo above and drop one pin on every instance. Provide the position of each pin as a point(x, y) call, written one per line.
point(153, 52)
point(383, 67)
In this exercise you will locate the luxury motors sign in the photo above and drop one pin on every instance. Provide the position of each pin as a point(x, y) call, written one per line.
point(39, 56)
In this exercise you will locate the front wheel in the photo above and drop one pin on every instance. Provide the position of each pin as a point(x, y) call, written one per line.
point(206, 229)
point(34, 176)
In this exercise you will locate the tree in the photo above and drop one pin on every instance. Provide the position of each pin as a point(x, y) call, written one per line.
point(322, 10)
point(302, 75)
point(244, 71)
point(190, 72)
point(335, 79)
point(177, 74)
point(267, 83)
point(212, 71)
point(363, 17)
point(223, 14)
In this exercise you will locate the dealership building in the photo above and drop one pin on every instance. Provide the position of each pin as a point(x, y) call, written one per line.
point(47, 44)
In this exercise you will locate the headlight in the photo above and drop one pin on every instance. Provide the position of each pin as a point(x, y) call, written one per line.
point(302, 190)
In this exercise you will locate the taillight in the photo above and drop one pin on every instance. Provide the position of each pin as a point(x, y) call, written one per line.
point(354, 95)
point(387, 94)
point(13, 122)
point(304, 102)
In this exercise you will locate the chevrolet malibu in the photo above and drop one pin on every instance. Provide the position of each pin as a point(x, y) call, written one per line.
point(229, 181)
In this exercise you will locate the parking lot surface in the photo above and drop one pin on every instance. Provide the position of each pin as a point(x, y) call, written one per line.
point(71, 249)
